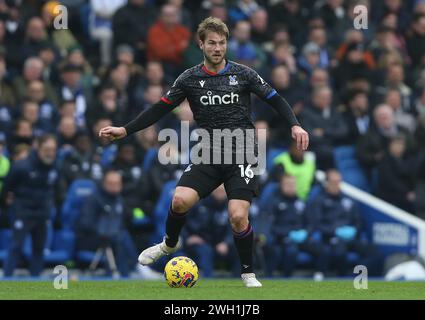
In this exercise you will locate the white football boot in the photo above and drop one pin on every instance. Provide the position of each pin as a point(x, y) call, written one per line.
point(152, 254)
point(250, 280)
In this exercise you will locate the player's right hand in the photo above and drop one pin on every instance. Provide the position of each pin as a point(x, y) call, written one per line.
point(112, 133)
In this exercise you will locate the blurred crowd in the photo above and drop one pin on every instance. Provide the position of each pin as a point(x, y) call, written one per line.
point(362, 88)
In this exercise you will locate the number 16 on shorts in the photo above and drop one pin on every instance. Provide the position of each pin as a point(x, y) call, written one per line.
point(246, 172)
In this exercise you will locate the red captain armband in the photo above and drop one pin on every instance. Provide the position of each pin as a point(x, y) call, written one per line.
point(163, 99)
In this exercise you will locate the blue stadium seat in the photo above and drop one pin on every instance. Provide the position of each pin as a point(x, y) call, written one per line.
point(5, 237)
point(59, 247)
point(271, 154)
point(161, 210)
point(351, 171)
point(79, 190)
point(149, 158)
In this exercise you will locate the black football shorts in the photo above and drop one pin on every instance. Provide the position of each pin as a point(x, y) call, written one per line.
point(238, 180)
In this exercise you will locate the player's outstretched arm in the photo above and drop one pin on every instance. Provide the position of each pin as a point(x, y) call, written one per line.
point(283, 108)
point(143, 120)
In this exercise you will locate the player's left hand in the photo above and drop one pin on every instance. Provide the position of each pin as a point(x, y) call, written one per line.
point(300, 136)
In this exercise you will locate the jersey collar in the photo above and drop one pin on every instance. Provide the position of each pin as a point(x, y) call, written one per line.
point(226, 67)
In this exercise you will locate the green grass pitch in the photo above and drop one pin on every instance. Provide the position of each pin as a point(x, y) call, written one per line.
point(211, 289)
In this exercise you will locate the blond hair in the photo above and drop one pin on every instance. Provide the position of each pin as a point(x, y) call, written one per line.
point(214, 25)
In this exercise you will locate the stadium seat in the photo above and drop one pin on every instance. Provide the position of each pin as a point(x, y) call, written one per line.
point(79, 190)
point(351, 171)
point(271, 154)
point(58, 249)
point(161, 210)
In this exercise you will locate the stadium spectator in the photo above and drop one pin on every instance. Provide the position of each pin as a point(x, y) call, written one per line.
point(100, 26)
point(130, 25)
point(4, 161)
point(297, 164)
point(284, 231)
point(66, 132)
point(396, 174)
point(7, 97)
point(291, 14)
point(356, 116)
point(47, 111)
point(401, 117)
point(30, 189)
point(336, 220)
point(72, 89)
point(80, 162)
point(106, 106)
point(372, 145)
point(101, 224)
point(32, 71)
point(208, 238)
point(260, 33)
point(354, 63)
point(22, 134)
point(62, 38)
point(242, 49)
point(325, 125)
point(168, 29)
point(415, 40)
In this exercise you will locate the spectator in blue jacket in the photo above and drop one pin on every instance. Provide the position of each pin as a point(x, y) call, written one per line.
point(285, 233)
point(208, 237)
point(101, 223)
point(336, 219)
point(30, 189)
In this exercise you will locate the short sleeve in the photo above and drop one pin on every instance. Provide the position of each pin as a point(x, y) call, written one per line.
point(259, 86)
point(176, 94)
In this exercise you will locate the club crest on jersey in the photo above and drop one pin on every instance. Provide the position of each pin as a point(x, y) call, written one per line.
point(233, 81)
point(202, 82)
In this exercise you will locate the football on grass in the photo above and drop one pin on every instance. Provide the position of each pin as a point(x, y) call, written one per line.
point(181, 272)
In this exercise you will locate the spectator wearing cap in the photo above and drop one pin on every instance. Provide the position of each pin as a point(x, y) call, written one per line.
point(125, 54)
point(309, 59)
point(72, 89)
point(75, 56)
point(168, 29)
point(100, 25)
